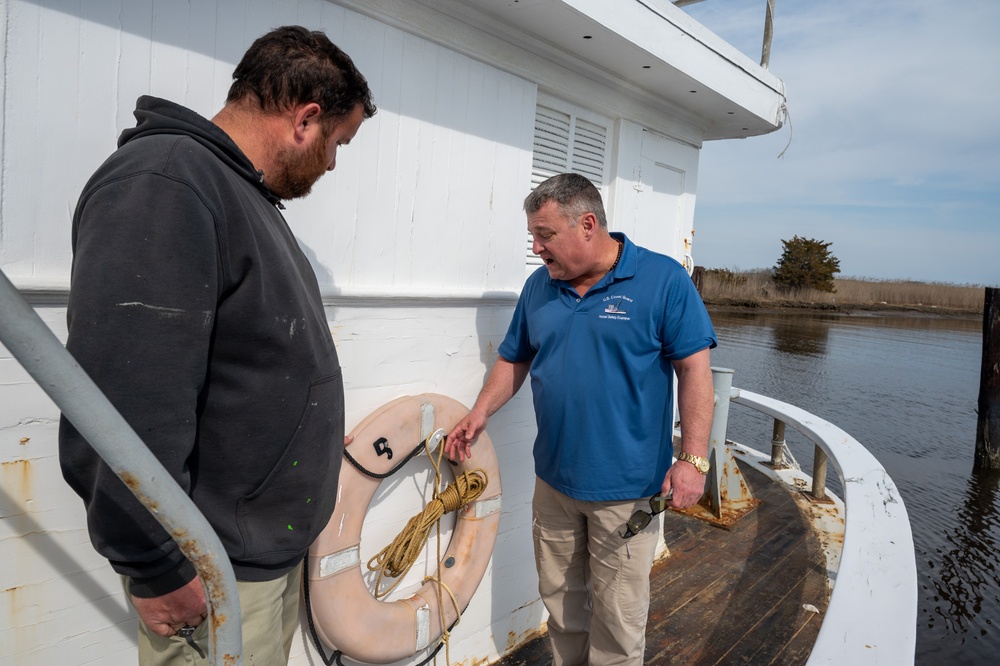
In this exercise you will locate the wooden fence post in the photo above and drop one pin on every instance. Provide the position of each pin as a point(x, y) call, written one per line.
point(698, 276)
point(988, 427)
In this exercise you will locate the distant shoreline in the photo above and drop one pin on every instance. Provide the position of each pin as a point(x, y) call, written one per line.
point(756, 291)
point(869, 309)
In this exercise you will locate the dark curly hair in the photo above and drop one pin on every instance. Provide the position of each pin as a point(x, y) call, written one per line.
point(292, 65)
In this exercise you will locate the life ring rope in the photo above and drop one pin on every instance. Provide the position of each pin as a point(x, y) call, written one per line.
point(334, 657)
point(367, 472)
point(466, 489)
point(375, 630)
point(396, 559)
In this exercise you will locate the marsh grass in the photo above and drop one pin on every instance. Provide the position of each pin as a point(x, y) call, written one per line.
point(756, 289)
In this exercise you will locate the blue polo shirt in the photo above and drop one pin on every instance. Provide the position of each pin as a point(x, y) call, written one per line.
point(601, 377)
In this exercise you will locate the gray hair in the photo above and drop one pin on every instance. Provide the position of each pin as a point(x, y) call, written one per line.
point(574, 193)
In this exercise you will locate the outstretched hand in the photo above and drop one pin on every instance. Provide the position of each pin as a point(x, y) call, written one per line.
point(458, 444)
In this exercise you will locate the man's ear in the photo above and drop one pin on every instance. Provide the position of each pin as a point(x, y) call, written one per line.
point(306, 119)
point(589, 223)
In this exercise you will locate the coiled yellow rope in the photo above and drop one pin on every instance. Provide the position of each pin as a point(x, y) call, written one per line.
point(398, 557)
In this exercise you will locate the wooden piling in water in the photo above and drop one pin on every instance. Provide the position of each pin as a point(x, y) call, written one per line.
point(698, 277)
point(988, 428)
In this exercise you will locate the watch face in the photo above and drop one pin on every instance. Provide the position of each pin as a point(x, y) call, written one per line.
point(701, 464)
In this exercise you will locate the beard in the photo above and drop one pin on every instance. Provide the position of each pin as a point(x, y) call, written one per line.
point(297, 172)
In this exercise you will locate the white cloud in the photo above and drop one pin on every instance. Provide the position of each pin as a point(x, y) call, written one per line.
point(893, 129)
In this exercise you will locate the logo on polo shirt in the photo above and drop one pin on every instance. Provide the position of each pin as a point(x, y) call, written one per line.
point(615, 307)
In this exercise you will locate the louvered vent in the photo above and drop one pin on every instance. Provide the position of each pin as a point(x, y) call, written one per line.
point(563, 143)
point(588, 151)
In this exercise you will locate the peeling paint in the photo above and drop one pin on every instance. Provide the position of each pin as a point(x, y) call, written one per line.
point(211, 575)
point(516, 640)
point(135, 486)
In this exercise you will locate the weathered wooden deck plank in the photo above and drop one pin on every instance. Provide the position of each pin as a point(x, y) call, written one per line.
point(731, 596)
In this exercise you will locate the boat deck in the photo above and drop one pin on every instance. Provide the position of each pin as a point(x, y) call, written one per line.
point(733, 596)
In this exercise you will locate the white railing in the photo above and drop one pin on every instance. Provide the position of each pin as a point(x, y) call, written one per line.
point(872, 614)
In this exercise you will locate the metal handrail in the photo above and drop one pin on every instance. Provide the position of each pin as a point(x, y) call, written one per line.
point(872, 614)
point(45, 358)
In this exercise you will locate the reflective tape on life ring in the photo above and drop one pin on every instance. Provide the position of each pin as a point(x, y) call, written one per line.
point(347, 616)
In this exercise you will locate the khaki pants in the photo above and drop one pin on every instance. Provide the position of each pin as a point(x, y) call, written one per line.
point(269, 612)
point(594, 584)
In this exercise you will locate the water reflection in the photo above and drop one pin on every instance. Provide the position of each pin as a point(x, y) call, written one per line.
point(964, 574)
point(804, 336)
point(906, 387)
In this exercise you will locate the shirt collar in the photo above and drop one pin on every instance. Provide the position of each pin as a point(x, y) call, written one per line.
point(626, 264)
point(623, 271)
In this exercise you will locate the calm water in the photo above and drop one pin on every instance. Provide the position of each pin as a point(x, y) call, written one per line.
point(906, 388)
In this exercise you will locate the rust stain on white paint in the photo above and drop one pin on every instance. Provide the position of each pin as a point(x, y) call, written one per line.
point(16, 476)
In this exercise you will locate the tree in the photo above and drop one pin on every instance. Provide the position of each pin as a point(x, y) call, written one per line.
point(806, 262)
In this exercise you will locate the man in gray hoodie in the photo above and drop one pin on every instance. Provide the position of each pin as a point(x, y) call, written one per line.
point(194, 310)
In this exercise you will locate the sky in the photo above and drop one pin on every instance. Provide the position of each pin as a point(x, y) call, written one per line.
point(891, 148)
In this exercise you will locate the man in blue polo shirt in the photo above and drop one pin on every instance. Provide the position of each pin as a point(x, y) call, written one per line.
point(602, 330)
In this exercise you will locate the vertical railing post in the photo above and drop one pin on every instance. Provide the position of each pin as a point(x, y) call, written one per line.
point(729, 496)
point(722, 383)
point(45, 358)
point(819, 474)
point(778, 445)
point(722, 386)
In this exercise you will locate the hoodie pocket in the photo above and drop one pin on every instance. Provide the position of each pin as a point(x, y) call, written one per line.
point(283, 515)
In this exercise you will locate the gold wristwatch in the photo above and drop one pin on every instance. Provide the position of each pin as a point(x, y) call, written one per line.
point(700, 464)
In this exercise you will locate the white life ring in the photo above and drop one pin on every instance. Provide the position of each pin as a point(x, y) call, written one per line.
point(347, 617)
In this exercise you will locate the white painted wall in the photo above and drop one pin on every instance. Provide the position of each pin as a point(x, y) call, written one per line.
point(654, 194)
point(63, 604)
point(423, 197)
point(417, 239)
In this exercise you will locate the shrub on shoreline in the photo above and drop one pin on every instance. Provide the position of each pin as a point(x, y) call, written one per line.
point(755, 288)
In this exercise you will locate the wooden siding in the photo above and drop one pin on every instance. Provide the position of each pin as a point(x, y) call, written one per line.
point(427, 194)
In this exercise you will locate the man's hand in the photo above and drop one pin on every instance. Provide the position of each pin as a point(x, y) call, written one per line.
point(167, 614)
point(458, 444)
point(505, 379)
point(687, 483)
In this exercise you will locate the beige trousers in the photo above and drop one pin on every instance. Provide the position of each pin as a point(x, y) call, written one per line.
point(269, 613)
point(594, 583)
